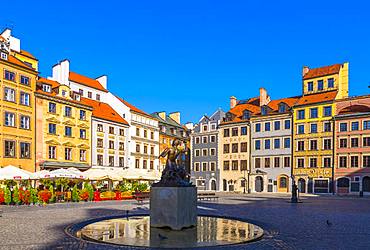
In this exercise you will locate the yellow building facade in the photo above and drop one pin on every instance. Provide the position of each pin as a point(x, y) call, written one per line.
point(313, 127)
point(63, 124)
point(17, 125)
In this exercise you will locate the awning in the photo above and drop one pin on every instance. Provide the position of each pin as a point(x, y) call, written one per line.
point(58, 164)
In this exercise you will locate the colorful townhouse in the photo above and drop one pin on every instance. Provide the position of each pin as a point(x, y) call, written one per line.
point(108, 146)
point(63, 127)
point(205, 170)
point(170, 128)
point(352, 141)
point(313, 130)
point(18, 83)
point(234, 144)
point(271, 152)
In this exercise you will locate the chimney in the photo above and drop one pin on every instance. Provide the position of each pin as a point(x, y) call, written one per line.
point(175, 116)
point(232, 102)
point(15, 43)
point(162, 115)
point(103, 80)
point(305, 70)
point(60, 72)
point(189, 125)
point(264, 97)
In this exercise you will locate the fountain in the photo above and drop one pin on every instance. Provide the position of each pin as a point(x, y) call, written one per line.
point(173, 221)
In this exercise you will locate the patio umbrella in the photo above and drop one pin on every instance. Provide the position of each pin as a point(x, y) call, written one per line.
point(77, 172)
point(14, 173)
point(102, 174)
point(64, 173)
point(43, 174)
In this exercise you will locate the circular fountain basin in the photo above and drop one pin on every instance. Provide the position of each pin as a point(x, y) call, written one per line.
point(136, 231)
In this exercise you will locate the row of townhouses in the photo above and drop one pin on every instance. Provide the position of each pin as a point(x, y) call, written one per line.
point(71, 120)
point(320, 140)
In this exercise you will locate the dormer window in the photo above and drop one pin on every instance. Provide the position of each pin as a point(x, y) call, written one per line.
point(282, 108)
point(64, 93)
point(4, 56)
point(228, 117)
point(264, 110)
point(46, 88)
point(77, 97)
point(246, 114)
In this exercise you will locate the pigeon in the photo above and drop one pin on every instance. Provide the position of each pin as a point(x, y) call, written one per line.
point(328, 223)
point(162, 237)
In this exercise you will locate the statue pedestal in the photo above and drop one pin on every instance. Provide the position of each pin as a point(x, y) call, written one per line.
point(173, 207)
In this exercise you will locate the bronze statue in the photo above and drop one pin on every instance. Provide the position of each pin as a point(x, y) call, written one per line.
point(177, 170)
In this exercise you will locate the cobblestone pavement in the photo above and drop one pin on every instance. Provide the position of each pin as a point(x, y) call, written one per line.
point(286, 225)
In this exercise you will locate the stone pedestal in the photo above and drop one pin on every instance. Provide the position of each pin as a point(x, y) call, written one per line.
point(173, 207)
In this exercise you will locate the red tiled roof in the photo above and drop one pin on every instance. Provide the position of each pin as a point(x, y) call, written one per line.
point(290, 101)
point(237, 111)
point(54, 84)
point(28, 54)
point(14, 60)
point(133, 108)
point(84, 80)
point(104, 111)
point(317, 98)
point(322, 71)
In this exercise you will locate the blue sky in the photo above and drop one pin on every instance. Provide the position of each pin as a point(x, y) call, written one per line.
point(191, 56)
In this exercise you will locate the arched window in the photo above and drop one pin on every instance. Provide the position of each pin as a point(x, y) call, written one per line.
point(283, 182)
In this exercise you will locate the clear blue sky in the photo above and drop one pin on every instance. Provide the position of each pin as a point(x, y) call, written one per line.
point(190, 56)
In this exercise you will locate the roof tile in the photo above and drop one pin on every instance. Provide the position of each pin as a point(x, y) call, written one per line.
point(322, 71)
point(84, 80)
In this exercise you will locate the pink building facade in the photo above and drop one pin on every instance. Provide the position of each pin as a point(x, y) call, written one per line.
point(352, 142)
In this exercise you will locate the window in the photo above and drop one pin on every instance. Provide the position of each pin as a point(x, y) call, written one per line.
point(243, 130)
point(257, 162)
point(9, 149)
point(327, 144)
point(204, 166)
point(213, 127)
point(226, 165)
point(246, 114)
point(300, 145)
point(226, 132)
point(137, 132)
point(205, 128)
point(327, 127)
point(243, 147)
point(226, 148)
point(197, 151)
point(197, 140)
point(286, 162)
point(24, 122)
point(276, 143)
point(343, 161)
point(354, 126)
point(68, 111)
point(52, 107)
point(313, 162)
point(152, 150)
point(152, 135)
point(300, 129)
point(97, 97)
point(204, 152)
point(204, 139)
point(234, 148)
point(25, 150)
point(366, 161)
point(9, 94)
point(111, 144)
point(4, 55)
point(9, 119)
point(137, 163)
point(197, 166)
point(212, 152)
point(68, 154)
point(276, 162)
point(301, 114)
point(99, 143)
point(111, 161)
point(282, 108)
point(52, 152)
point(10, 76)
point(313, 113)
point(25, 99)
point(343, 127)
point(243, 165)
point(82, 155)
point(212, 166)
point(121, 132)
point(100, 160)
point(343, 143)
point(257, 127)
point(267, 162)
point(366, 125)
point(145, 133)
point(111, 130)
point(145, 149)
point(263, 110)
point(354, 142)
point(313, 144)
point(151, 164)
point(234, 132)
point(234, 165)
point(213, 138)
point(46, 88)
point(257, 145)
point(121, 161)
point(327, 162)
point(354, 161)
point(300, 163)
point(267, 126)
point(277, 125)
point(121, 146)
point(89, 94)
point(287, 124)
point(320, 84)
point(286, 142)
point(331, 83)
point(52, 128)
point(366, 142)
point(83, 133)
point(310, 86)
point(267, 144)
point(68, 131)
point(82, 115)
point(327, 111)
point(313, 128)
point(100, 128)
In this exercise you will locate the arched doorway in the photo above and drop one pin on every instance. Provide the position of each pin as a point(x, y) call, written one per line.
point(302, 185)
point(283, 183)
point(366, 184)
point(213, 185)
point(258, 184)
point(343, 185)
